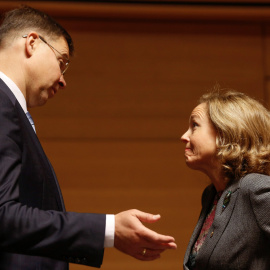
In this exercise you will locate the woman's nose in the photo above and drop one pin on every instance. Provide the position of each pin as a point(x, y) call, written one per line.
point(185, 137)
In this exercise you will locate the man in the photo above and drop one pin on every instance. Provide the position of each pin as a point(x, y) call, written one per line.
point(35, 230)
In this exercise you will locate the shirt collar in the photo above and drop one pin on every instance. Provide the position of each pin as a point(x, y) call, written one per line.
point(15, 90)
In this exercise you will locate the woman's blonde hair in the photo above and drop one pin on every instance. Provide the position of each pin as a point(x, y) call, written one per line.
point(243, 132)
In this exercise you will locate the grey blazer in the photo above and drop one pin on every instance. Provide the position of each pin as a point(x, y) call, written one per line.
point(240, 234)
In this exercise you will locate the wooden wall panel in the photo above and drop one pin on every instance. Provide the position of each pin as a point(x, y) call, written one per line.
point(113, 133)
point(110, 176)
point(266, 49)
point(231, 11)
point(135, 80)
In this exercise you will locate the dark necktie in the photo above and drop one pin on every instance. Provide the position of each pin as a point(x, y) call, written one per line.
point(31, 120)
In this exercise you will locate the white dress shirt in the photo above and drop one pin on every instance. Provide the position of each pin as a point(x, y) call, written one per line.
point(110, 219)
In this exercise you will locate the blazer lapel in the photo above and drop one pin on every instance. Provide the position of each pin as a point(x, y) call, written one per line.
point(51, 179)
point(7, 91)
point(206, 204)
point(220, 223)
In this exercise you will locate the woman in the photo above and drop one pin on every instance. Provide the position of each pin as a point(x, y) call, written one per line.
point(228, 139)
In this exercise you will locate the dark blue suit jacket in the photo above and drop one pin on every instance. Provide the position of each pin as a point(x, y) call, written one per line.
point(36, 233)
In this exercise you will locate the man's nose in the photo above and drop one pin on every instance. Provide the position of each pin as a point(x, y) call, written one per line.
point(62, 83)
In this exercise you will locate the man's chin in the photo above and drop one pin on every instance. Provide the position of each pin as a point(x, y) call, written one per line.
point(42, 101)
point(36, 104)
point(52, 93)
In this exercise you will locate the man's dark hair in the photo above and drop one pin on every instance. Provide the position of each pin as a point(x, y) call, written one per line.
point(27, 18)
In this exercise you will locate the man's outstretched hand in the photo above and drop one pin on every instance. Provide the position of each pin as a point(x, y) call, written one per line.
point(136, 240)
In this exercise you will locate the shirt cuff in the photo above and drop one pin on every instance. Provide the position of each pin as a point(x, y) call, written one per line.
point(109, 231)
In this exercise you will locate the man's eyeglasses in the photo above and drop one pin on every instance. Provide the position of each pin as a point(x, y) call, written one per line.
point(63, 61)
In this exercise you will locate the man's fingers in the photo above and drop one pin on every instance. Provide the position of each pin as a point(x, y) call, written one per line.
point(162, 246)
point(153, 238)
point(158, 241)
point(149, 254)
point(133, 238)
point(146, 217)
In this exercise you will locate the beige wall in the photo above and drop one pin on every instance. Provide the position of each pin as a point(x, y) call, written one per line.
point(113, 133)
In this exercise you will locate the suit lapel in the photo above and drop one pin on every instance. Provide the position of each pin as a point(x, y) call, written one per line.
point(51, 179)
point(7, 91)
point(206, 204)
point(220, 223)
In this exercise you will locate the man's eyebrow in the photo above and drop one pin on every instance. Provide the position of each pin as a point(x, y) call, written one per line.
point(65, 55)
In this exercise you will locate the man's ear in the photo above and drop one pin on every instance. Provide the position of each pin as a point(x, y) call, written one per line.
point(31, 43)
